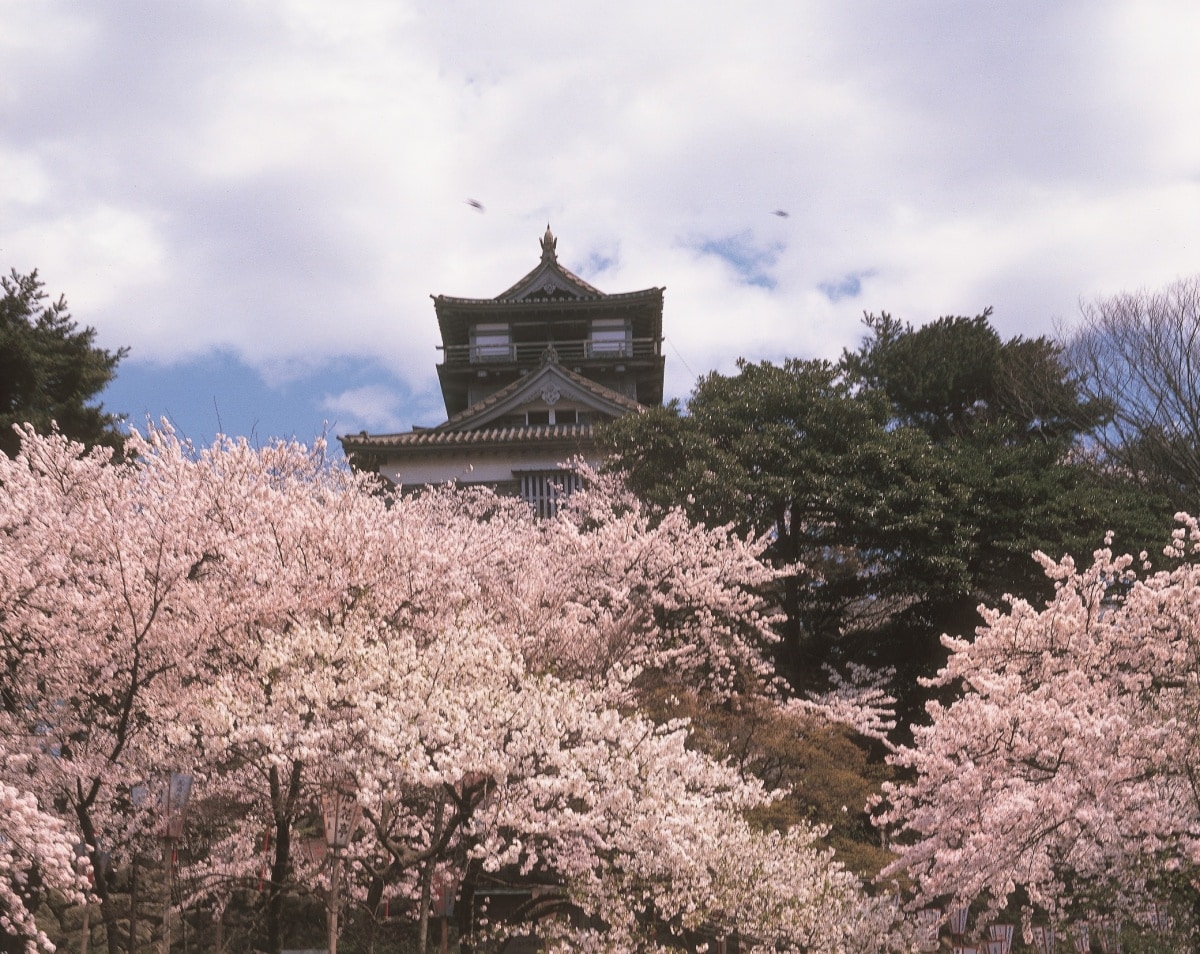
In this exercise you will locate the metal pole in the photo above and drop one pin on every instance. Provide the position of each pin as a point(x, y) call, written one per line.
point(168, 860)
point(133, 901)
point(333, 903)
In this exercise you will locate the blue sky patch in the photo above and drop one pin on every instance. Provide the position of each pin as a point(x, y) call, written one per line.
point(597, 263)
point(848, 286)
point(751, 262)
point(219, 393)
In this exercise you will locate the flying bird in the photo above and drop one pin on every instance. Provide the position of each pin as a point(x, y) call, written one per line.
point(781, 213)
point(476, 205)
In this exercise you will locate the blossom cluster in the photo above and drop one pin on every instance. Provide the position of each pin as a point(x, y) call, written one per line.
point(1066, 766)
point(276, 626)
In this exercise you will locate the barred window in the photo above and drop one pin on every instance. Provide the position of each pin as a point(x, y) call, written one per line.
point(545, 489)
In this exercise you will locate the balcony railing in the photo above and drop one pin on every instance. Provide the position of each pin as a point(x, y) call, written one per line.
point(530, 352)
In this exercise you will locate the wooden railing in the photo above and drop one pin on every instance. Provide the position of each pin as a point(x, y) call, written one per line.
point(530, 352)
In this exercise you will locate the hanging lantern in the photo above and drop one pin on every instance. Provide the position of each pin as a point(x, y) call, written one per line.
point(1004, 934)
point(1043, 939)
point(443, 892)
point(179, 790)
point(314, 850)
point(958, 920)
point(342, 813)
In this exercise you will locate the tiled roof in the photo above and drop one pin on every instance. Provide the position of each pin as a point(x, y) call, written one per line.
point(549, 303)
point(489, 435)
point(540, 284)
point(551, 275)
point(566, 277)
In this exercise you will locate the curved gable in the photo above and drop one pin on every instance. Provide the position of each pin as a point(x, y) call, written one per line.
point(549, 386)
point(549, 281)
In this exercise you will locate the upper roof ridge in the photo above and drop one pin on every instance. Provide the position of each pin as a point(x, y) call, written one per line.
point(549, 279)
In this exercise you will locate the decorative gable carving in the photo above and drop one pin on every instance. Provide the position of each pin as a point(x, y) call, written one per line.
point(549, 386)
point(549, 283)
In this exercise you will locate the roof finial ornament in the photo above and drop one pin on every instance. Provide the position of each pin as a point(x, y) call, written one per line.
point(549, 242)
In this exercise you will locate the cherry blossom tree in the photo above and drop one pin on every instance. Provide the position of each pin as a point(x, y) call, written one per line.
point(99, 616)
point(121, 586)
point(465, 760)
point(480, 666)
point(1064, 774)
point(277, 626)
point(36, 855)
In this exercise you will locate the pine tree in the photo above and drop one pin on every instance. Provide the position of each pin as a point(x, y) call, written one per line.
point(50, 369)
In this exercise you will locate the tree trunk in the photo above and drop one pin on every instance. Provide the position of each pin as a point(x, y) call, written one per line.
point(427, 879)
point(101, 885)
point(283, 803)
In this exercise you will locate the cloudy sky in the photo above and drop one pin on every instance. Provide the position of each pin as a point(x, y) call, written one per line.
point(258, 197)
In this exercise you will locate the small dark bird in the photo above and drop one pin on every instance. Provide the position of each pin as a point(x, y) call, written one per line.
point(476, 205)
point(781, 213)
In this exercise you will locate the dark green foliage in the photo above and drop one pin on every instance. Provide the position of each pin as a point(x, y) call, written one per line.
point(796, 453)
point(914, 480)
point(1005, 419)
point(955, 374)
point(50, 370)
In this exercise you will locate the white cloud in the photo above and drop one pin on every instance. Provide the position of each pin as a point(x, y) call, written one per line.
point(373, 408)
point(285, 181)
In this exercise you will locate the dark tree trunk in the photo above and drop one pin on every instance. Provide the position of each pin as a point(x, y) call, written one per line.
point(283, 801)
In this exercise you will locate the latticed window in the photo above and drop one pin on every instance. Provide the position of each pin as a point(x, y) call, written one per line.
point(544, 490)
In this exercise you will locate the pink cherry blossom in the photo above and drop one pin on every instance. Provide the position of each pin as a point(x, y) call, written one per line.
point(275, 626)
point(1066, 763)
